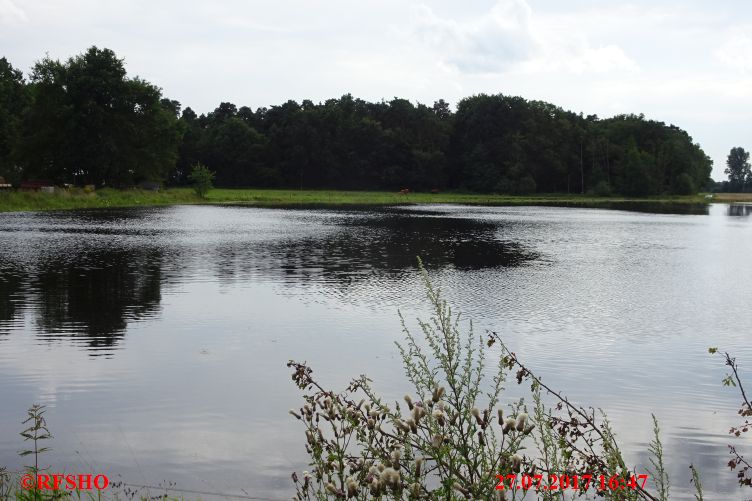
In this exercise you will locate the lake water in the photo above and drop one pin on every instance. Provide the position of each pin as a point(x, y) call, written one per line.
point(158, 337)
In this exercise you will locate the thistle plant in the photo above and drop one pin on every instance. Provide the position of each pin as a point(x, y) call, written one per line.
point(696, 482)
point(6, 486)
point(36, 432)
point(658, 471)
point(738, 462)
point(448, 439)
point(454, 434)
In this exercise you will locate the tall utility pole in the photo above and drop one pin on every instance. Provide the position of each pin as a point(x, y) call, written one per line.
point(608, 164)
point(582, 171)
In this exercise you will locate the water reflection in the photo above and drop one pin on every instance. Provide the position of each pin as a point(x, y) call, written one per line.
point(643, 207)
point(390, 243)
point(11, 286)
point(739, 210)
point(90, 288)
point(97, 301)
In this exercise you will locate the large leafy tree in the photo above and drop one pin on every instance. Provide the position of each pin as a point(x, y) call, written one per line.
point(90, 123)
point(738, 169)
point(14, 98)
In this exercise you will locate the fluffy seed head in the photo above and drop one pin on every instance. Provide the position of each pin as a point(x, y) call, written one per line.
point(352, 487)
point(438, 415)
point(409, 402)
point(437, 440)
point(521, 421)
point(476, 414)
point(415, 489)
point(509, 424)
point(395, 456)
point(418, 466)
point(437, 394)
point(516, 462)
point(390, 477)
point(375, 486)
point(413, 425)
point(418, 413)
point(454, 417)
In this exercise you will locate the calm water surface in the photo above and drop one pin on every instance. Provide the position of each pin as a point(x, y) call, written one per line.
point(158, 337)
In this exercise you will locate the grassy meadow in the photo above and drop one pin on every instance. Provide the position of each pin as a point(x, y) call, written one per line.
point(108, 197)
point(11, 201)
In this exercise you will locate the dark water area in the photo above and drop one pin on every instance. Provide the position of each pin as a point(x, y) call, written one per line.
point(158, 338)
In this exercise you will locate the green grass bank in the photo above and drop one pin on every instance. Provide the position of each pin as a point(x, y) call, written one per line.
point(107, 198)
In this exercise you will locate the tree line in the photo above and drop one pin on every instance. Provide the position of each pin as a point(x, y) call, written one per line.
point(85, 121)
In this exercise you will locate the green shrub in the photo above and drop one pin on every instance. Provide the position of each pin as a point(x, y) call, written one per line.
point(602, 189)
point(202, 178)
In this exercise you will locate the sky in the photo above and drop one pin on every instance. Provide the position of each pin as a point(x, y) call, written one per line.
point(684, 62)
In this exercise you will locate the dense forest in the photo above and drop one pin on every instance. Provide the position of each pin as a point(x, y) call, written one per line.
point(84, 121)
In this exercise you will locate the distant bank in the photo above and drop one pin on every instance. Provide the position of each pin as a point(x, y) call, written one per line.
point(107, 198)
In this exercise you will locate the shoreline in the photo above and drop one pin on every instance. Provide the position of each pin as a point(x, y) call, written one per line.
point(111, 198)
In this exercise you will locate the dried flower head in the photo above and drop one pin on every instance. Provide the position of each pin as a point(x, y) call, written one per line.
point(415, 489)
point(409, 401)
point(437, 394)
point(375, 487)
point(352, 487)
point(438, 415)
point(418, 466)
point(509, 424)
point(516, 463)
point(390, 477)
point(437, 440)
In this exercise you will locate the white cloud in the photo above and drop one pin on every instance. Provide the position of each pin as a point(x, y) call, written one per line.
point(601, 59)
point(11, 13)
point(736, 52)
point(491, 43)
point(510, 37)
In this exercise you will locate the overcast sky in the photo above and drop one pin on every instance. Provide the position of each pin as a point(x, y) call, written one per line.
point(686, 62)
